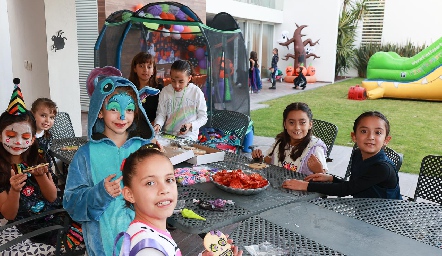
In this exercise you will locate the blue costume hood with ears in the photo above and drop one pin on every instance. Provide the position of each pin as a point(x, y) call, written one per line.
point(100, 83)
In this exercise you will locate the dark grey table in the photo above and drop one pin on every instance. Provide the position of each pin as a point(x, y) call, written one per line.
point(347, 226)
point(245, 205)
point(57, 148)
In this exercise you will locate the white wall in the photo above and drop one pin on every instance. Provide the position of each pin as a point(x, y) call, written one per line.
point(28, 42)
point(244, 11)
point(63, 64)
point(409, 20)
point(6, 85)
point(322, 17)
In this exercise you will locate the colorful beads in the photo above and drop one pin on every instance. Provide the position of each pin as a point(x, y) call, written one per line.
point(193, 175)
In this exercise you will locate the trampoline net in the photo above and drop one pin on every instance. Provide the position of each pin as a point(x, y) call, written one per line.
point(218, 57)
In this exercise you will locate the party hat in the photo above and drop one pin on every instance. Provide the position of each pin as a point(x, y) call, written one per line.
point(187, 213)
point(17, 105)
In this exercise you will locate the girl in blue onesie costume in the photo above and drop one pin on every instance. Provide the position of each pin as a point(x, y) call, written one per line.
point(373, 174)
point(117, 126)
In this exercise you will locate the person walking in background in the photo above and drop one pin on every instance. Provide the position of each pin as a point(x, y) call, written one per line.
point(255, 83)
point(274, 67)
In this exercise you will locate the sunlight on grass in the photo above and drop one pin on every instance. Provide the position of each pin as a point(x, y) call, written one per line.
point(415, 125)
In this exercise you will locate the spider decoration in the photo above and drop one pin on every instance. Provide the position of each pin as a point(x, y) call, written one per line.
point(58, 41)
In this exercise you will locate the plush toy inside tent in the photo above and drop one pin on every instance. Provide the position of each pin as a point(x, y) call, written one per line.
point(171, 31)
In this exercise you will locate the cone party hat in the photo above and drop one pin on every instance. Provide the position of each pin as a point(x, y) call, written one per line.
point(17, 105)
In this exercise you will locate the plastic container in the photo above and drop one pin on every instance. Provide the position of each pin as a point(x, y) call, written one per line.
point(357, 93)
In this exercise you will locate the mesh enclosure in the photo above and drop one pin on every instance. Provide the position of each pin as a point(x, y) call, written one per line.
point(170, 31)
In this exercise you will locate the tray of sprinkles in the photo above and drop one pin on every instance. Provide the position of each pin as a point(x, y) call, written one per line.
point(240, 182)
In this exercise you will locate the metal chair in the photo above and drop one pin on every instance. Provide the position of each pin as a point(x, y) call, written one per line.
point(17, 242)
point(62, 127)
point(429, 183)
point(327, 132)
point(231, 122)
point(395, 157)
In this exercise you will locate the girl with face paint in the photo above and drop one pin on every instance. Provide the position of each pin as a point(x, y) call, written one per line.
point(24, 193)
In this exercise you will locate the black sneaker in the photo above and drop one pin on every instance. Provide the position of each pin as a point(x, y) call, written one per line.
point(304, 87)
point(273, 87)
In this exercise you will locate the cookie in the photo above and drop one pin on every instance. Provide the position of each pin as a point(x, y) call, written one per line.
point(216, 242)
point(258, 166)
point(66, 148)
point(199, 152)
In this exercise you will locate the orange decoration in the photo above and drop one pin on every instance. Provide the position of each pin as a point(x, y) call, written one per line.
point(304, 71)
point(191, 48)
point(184, 36)
point(289, 71)
point(170, 16)
point(137, 7)
point(311, 71)
point(164, 16)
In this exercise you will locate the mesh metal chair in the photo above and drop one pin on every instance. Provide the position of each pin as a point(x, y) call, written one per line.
point(395, 157)
point(231, 122)
point(429, 183)
point(62, 127)
point(327, 132)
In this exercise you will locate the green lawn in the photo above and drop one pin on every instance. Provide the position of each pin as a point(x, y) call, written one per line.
point(415, 125)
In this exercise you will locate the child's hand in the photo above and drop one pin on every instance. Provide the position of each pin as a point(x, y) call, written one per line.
point(294, 184)
point(113, 187)
point(257, 153)
point(314, 164)
point(185, 128)
point(157, 128)
point(319, 177)
point(17, 181)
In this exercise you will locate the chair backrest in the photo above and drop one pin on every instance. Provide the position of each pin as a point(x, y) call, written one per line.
point(395, 157)
point(429, 183)
point(231, 121)
point(327, 132)
point(62, 127)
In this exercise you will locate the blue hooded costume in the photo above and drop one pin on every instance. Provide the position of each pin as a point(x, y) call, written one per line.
point(85, 198)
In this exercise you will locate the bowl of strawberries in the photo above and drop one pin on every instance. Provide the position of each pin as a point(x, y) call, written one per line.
point(240, 182)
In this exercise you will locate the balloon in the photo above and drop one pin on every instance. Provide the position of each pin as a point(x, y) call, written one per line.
point(186, 36)
point(178, 28)
point(148, 15)
point(170, 16)
point(164, 16)
point(137, 7)
point(165, 7)
point(202, 63)
point(195, 29)
point(155, 10)
point(199, 53)
point(191, 48)
point(165, 32)
point(180, 15)
point(175, 35)
point(173, 9)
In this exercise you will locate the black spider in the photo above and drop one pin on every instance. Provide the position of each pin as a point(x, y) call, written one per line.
point(58, 41)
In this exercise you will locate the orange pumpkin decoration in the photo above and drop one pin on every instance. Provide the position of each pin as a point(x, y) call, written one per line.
point(289, 71)
point(304, 71)
point(311, 71)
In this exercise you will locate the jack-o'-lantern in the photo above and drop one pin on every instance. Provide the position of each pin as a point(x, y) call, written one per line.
point(289, 71)
point(311, 71)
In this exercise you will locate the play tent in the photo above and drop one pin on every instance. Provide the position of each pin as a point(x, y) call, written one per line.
point(171, 31)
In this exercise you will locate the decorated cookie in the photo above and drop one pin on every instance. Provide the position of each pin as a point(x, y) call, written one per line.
point(258, 166)
point(67, 148)
point(199, 152)
point(35, 167)
point(216, 242)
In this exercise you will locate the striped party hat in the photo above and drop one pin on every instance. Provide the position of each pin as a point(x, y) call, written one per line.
point(17, 105)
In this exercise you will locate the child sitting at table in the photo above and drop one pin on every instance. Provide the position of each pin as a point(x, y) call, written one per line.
point(182, 107)
point(117, 126)
point(150, 189)
point(26, 185)
point(295, 148)
point(373, 174)
point(44, 111)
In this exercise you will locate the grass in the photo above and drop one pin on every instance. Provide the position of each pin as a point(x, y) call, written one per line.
point(415, 125)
